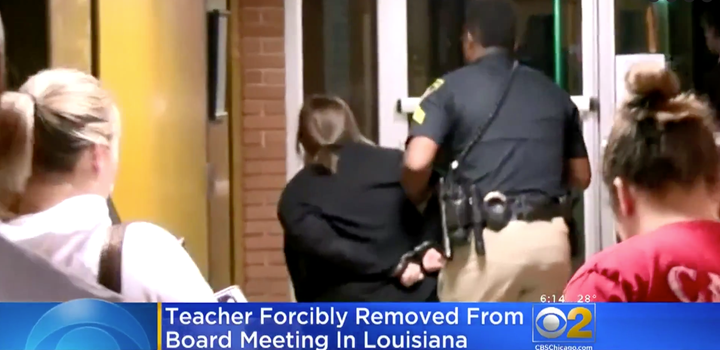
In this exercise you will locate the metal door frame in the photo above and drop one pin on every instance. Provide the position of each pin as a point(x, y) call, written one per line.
point(392, 71)
point(606, 84)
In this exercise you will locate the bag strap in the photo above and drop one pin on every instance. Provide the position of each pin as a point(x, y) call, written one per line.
point(483, 128)
point(110, 267)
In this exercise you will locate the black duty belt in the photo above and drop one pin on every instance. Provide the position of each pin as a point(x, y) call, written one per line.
point(498, 210)
point(495, 211)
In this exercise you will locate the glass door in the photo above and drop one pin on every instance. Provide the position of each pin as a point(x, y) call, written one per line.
point(665, 31)
point(562, 38)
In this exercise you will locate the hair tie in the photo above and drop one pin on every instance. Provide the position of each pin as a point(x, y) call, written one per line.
point(332, 147)
point(38, 111)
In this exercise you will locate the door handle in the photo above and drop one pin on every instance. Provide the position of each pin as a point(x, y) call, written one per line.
point(585, 105)
point(407, 105)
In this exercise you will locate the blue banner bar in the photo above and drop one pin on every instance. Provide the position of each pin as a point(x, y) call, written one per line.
point(94, 324)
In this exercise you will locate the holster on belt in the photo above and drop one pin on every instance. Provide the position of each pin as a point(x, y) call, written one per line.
point(479, 218)
point(456, 216)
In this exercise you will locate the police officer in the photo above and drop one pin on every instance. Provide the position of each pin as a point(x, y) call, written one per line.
point(514, 146)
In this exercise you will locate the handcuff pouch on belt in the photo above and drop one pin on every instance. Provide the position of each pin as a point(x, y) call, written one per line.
point(459, 198)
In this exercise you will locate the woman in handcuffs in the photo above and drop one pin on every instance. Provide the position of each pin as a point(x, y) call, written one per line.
point(351, 234)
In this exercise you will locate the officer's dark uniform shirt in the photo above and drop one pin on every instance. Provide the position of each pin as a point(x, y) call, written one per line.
point(525, 148)
point(712, 87)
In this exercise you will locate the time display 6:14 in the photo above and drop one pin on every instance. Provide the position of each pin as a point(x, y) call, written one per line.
point(561, 299)
point(552, 298)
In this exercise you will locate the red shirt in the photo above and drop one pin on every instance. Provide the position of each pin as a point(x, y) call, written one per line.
point(677, 262)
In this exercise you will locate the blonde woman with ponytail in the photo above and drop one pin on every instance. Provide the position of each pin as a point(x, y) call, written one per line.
point(59, 152)
point(350, 231)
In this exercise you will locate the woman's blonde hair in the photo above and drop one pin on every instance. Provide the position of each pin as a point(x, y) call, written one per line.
point(326, 124)
point(46, 125)
point(661, 136)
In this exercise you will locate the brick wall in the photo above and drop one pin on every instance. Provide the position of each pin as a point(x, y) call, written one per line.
point(263, 107)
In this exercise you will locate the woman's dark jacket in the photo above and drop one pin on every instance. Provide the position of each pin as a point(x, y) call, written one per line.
point(346, 232)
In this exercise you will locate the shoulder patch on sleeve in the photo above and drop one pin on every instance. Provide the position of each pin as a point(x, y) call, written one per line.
point(419, 115)
point(432, 88)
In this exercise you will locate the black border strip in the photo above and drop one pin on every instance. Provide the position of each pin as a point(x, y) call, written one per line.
point(95, 71)
point(94, 38)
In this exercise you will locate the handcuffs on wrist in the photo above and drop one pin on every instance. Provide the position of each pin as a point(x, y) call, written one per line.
point(415, 256)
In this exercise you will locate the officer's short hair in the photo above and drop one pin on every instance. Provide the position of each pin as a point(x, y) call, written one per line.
point(711, 17)
point(492, 23)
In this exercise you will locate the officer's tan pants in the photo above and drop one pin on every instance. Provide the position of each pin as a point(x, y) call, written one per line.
point(522, 262)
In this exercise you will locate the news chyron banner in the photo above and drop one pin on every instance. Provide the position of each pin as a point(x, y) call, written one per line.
point(89, 324)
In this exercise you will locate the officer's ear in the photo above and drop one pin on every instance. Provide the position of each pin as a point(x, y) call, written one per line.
point(465, 35)
point(469, 38)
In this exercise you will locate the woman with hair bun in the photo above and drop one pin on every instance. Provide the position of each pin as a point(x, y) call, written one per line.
point(661, 167)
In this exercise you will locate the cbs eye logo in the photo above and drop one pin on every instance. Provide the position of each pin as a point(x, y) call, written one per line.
point(565, 323)
point(87, 324)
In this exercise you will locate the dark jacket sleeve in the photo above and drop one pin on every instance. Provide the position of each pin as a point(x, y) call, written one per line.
point(311, 233)
point(713, 89)
point(432, 223)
